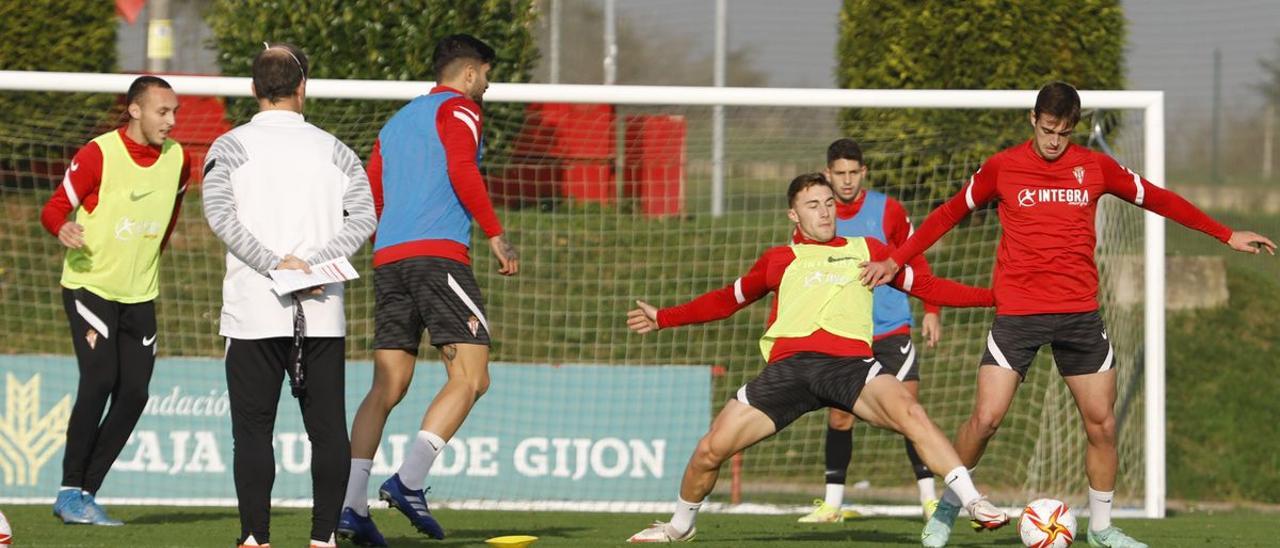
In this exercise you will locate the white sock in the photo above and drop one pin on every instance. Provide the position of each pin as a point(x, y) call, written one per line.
point(250, 541)
point(65, 488)
point(358, 486)
point(686, 513)
point(959, 483)
point(1100, 509)
point(835, 495)
point(926, 490)
point(413, 471)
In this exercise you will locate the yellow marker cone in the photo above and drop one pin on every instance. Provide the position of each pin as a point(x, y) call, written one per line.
point(511, 541)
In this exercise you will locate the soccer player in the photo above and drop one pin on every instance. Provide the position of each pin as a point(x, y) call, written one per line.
point(1046, 286)
point(818, 349)
point(284, 194)
point(427, 188)
point(867, 213)
point(125, 190)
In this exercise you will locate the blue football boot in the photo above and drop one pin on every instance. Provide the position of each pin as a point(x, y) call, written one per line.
point(358, 529)
point(411, 503)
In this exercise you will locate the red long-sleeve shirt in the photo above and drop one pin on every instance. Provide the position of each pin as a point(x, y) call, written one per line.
point(896, 224)
point(461, 141)
point(83, 177)
point(1044, 262)
point(765, 276)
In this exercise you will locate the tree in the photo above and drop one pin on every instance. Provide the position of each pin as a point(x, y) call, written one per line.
point(47, 35)
point(373, 39)
point(984, 44)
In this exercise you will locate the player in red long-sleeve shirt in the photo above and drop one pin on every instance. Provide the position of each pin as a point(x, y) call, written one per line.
point(861, 211)
point(1046, 286)
point(818, 349)
point(425, 178)
point(114, 212)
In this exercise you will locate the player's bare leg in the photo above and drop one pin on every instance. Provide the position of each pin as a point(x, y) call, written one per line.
point(922, 473)
point(1095, 396)
point(885, 402)
point(996, 388)
point(467, 366)
point(737, 427)
point(392, 374)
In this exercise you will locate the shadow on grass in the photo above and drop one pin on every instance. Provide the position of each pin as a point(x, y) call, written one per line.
point(879, 538)
point(169, 518)
point(475, 536)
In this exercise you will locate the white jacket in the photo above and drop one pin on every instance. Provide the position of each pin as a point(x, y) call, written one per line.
point(280, 186)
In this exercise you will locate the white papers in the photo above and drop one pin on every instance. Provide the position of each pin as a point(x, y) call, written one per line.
point(336, 271)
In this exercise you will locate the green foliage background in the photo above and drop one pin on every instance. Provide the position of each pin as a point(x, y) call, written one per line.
point(49, 35)
point(979, 44)
point(374, 40)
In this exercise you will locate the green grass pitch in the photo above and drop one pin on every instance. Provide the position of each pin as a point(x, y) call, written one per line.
point(179, 526)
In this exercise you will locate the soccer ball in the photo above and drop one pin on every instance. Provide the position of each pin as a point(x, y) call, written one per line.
point(6, 535)
point(1047, 523)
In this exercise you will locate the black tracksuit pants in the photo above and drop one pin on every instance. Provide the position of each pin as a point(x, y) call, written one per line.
point(115, 346)
point(255, 373)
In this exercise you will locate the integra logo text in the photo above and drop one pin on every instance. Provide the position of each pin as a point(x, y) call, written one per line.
point(1029, 197)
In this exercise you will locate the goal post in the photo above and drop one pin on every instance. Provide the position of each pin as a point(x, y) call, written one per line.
point(1149, 105)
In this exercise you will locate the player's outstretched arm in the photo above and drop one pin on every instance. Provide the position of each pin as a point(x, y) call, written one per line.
point(942, 291)
point(712, 305)
point(980, 189)
point(921, 283)
point(1123, 183)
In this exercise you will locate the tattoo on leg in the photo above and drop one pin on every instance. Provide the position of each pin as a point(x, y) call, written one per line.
point(449, 351)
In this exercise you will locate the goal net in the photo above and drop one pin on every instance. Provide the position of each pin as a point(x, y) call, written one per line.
point(611, 194)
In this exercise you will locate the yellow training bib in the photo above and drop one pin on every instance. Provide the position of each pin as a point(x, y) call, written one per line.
point(121, 256)
point(820, 290)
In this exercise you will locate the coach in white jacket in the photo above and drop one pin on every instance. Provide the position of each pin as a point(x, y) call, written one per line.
point(284, 194)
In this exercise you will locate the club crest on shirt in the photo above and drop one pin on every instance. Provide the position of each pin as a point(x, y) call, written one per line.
point(473, 323)
point(1079, 173)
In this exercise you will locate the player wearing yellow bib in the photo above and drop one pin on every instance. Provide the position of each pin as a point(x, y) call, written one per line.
point(123, 191)
point(818, 349)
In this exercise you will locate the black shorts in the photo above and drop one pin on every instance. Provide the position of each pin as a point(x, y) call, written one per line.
point(805, 382)
point(439, 295)
point(1079, 342)
point(898, 355)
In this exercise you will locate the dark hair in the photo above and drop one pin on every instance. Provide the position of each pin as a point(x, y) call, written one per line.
point(844, 149)
point(459, 46)
point(1060, 100)
point(140, 86)
point(278, 70)
point(805, 181)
